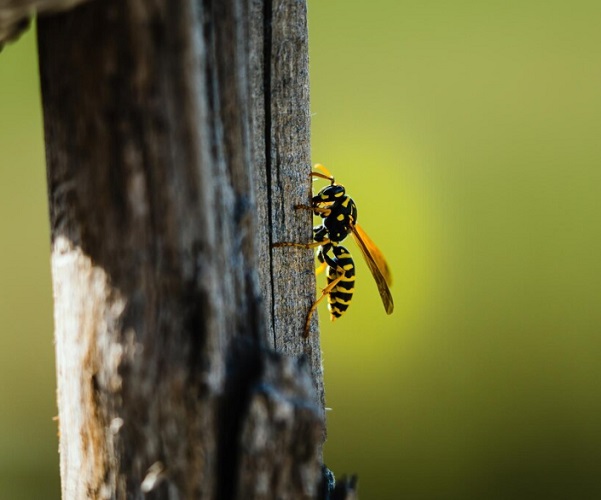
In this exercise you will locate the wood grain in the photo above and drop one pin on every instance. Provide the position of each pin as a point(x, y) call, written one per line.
point(177, 137)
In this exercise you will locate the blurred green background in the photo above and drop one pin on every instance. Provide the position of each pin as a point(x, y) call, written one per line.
point(28, 435)
point(468, 133)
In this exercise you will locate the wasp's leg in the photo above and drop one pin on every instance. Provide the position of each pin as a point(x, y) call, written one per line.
point(303, 207)
point(321, 268)
point(324, 293)
point(320, 256)
point(313, 244)
point(319, 236)
point(323, 211)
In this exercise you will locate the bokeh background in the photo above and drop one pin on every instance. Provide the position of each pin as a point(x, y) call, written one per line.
point(469, 134)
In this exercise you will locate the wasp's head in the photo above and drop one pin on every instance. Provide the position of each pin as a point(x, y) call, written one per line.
point(328, 194)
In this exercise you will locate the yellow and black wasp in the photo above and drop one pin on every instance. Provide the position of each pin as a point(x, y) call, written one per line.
point(339, 214)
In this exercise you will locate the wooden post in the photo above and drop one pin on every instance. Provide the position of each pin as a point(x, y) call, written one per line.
point(177, 136)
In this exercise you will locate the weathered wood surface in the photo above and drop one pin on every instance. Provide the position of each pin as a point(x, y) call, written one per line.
point(282, 162)
point(177, 140)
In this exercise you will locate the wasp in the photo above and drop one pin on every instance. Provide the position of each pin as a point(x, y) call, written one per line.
point(339, 218)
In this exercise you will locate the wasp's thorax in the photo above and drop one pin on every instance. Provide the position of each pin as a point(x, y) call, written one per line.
point(341, 211)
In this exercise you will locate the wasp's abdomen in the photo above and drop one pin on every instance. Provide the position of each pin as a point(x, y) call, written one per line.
point(340, 266)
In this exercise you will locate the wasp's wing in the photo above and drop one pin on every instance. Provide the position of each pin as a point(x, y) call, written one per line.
point(377, 265)
point(375, 252)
